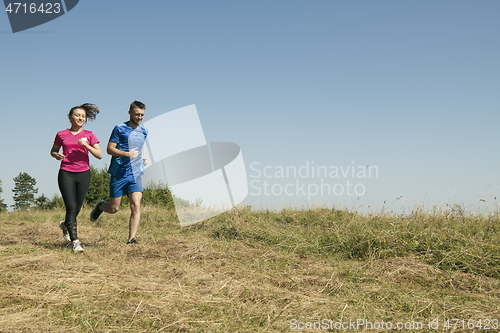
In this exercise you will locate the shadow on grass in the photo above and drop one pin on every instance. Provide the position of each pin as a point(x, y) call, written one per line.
point(7, 243)
point(63, 245)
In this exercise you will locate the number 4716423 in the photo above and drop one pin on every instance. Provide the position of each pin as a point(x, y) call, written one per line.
point(32, 8)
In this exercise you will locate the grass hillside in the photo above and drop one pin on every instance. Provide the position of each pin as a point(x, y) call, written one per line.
point(252, 271)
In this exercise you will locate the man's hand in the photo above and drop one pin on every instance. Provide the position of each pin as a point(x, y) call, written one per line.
point(133, 153)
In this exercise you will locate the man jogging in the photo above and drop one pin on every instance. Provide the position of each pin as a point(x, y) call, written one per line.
point(126, 169)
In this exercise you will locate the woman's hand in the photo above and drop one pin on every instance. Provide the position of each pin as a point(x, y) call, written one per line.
point(58, 156)
point(83, 142)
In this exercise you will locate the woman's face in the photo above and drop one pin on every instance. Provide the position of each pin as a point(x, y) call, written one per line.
point(78, 117)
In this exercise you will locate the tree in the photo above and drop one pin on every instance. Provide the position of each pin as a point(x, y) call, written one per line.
point(56, 202)
point(42, 202)
point(99, 186)
point(3, 206)
point(157, 194)
point(24, 191)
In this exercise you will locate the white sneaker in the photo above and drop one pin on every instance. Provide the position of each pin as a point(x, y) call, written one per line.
point(77, 246)
point(65, 231)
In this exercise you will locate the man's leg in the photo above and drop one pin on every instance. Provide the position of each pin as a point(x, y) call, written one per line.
point(112, 206)
point(135, 213)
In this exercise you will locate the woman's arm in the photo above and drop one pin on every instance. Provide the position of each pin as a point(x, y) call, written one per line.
point(54, 152)
point(94, 150)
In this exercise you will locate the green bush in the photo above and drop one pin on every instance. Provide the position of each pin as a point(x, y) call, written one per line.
point(99, 185)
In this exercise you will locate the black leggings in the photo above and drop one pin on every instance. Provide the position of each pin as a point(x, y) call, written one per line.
point(73, 187)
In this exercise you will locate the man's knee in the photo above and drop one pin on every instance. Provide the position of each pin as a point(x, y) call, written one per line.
point(135, 202)
point(113, 209)
point(135, 207)
point(112, 206)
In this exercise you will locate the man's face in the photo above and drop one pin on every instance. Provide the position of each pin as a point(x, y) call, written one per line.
point(136, 115)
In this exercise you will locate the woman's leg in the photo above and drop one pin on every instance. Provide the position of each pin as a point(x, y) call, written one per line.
point(82, 186)
point(67, 186)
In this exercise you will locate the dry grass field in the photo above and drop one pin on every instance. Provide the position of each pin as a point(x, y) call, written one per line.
point(315, 270)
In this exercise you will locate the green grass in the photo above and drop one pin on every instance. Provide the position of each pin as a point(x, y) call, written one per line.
point(247, 271)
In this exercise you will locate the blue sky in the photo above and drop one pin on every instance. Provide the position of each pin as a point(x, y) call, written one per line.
point(411, 87)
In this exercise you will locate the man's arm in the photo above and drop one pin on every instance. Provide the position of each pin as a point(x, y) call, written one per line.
point(144, 160)
point(113, 151)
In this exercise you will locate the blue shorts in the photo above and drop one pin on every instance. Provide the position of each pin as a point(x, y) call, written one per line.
point(120, 186)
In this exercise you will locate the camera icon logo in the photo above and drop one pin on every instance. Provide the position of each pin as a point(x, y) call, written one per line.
point(205, 179)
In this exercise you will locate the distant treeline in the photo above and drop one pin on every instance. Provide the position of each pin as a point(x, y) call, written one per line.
point(24, 193)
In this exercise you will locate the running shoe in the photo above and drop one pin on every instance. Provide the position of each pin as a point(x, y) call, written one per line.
point(133, 241)
point(77, 246)
point(96, 212)
point(65, 231)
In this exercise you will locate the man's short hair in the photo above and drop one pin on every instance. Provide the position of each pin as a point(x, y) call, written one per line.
point(137, 104)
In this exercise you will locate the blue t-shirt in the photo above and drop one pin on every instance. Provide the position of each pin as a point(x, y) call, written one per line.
point(127, 138)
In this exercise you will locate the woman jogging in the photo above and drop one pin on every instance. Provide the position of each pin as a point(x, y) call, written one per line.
point(74, 174)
